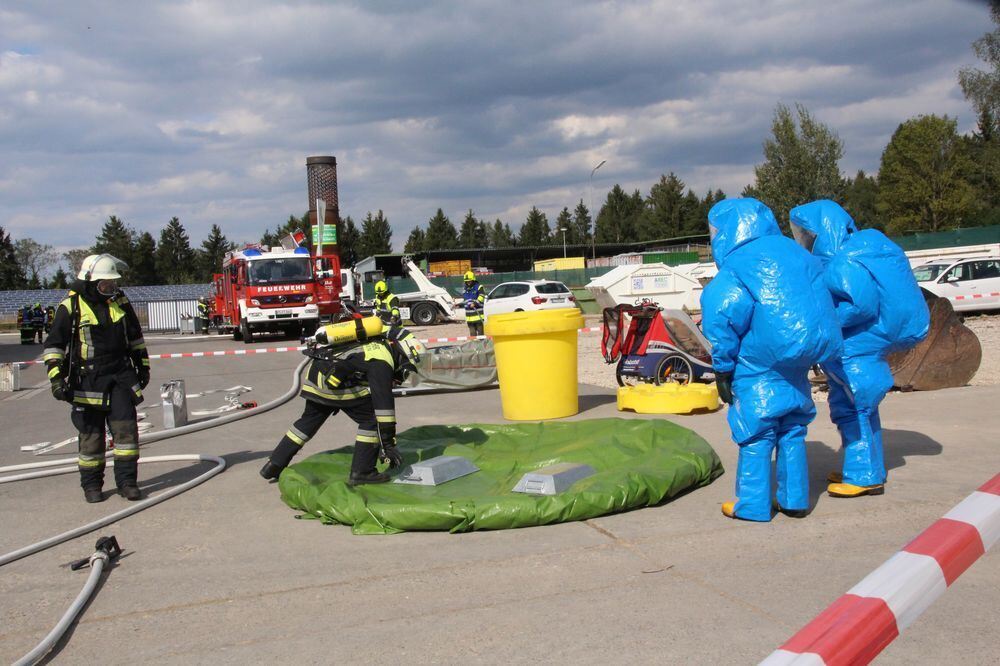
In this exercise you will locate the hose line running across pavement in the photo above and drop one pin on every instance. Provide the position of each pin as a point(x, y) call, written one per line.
point(68, 465)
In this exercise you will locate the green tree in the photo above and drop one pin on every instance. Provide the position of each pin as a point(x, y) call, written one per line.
point(35, 259)
point(347, 242)
point(117, 239)
point(376, 235)
point(860, 194)
point(441, 233)
point(564, 231)
point(501, 235)
point(175, 260)
point(60, 280)
point(619, 217)
point(581, 222)
point(535, 230)
point(11, 273)
point(74, 259)
point(473, 232)
point(143, 268)
point(982, 87)
point(924, 177)
point(664, 210)
point(800, 163)
point(415, 241)
point(212, 253)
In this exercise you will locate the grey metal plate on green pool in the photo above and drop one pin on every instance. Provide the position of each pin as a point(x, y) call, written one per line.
point(435, 471)
point(553, 479)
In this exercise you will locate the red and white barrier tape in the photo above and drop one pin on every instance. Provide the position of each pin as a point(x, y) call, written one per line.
point(972, 296)
point(859, 625)
point(271, 350)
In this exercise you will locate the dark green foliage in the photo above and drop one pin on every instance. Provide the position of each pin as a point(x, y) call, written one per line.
point(535, 230)
point(11, 273)
point(619, 218)
point(582, 223)
point(376, 235)
point(60, 280)
point(924, 179)
point(860, 194)
point(175, 260)
point(347, 242)
point(801, 163)
point(564, 222)
point(117, 239)
point(441, 233)
point(415, 241)
point(143, 268)
point(501, 235)
point(473, 232)
point(213, 251)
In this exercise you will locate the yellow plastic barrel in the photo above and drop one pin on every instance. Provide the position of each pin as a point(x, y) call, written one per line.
point(536, 362)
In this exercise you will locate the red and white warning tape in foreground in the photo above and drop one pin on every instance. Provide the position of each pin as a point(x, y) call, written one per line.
point(271, 350)
point(859, 625)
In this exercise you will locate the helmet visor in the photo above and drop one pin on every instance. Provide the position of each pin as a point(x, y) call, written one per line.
point(803, 237)
point(107, 287)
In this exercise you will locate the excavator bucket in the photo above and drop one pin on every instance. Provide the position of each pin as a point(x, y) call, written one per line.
point(948, 357)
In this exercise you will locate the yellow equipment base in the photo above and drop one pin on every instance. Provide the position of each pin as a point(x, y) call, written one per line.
point(667, 398)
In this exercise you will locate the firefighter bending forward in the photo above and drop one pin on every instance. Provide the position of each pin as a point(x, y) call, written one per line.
point(358, 382)
point(97, 361)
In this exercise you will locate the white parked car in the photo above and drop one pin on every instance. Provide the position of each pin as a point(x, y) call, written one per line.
point(528, 295)
point(970, 284)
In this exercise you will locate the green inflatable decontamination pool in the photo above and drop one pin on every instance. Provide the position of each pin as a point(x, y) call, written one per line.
point(637, 463)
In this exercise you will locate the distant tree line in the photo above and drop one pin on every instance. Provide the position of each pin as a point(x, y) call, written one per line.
point(930, 178)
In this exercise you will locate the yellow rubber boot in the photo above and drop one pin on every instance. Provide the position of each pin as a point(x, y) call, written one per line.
point(729, 509)
point(848, 490)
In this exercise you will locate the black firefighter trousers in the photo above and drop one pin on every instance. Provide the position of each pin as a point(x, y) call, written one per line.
point(121, 420)
point(366, 441)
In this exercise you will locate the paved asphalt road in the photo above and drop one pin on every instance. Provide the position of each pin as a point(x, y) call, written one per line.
point(226, 574)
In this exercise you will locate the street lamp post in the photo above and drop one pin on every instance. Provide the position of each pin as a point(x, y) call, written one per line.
point(563, 230)
point(590, 190)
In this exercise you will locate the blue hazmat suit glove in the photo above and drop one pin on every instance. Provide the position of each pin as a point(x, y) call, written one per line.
point(724, 383)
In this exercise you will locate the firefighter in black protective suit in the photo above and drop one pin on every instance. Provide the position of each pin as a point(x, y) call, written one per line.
point(97, 361)
point(356, 379)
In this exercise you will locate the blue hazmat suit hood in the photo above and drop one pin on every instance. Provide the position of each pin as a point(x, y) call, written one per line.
point(735, 222)
point(821, 227)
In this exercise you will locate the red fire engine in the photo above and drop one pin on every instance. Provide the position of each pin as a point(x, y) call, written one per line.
point(267, 289)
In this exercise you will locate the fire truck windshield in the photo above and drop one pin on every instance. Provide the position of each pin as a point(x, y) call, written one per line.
point(278, 271)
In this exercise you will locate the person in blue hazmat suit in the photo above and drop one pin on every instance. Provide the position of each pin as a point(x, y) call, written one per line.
point(769, 319)
point(880, 309)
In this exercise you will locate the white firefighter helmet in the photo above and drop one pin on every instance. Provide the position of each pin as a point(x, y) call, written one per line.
point(101, 267)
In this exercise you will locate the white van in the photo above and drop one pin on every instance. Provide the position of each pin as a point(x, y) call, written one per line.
point(970, 284)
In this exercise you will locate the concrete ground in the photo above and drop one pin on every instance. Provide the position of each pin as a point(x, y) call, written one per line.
point(225, 573)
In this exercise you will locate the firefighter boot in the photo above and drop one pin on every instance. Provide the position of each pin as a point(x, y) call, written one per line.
point(92, 481)
point(126, 478)
point(729, 509)
point(363, 465)
point(280, 458)
point(270, 471)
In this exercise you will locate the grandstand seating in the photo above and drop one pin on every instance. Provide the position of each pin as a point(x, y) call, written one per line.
point(12, 301)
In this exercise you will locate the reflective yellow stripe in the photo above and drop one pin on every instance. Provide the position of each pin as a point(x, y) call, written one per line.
point(385, 419)
point(368, 439)
point(145, 362)
point(53, 372)
point(333, 381)
point(138, 344)
point(90, 463)
point(335, 396)
point(126, 453)
point(88, 401)
point(295, 438)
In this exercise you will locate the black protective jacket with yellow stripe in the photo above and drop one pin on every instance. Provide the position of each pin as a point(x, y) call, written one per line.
point(107, 348)
point(362, 372)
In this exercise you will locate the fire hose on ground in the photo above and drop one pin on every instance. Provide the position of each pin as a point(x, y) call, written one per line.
point(68, 465)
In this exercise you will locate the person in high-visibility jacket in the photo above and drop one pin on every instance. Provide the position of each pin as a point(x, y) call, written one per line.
point(475, 298)
point(387, 305)
point(357, 381)
point(97, 361)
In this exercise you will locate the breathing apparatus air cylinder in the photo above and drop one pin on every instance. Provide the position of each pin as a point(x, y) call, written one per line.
point(354, 330)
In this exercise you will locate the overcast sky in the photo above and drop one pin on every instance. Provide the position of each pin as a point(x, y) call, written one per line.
point(206, 110)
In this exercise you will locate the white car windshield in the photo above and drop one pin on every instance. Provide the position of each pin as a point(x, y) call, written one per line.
point(279, 271)
point(928, 272)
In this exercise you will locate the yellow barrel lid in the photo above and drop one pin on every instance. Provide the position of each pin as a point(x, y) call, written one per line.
point(536, 321)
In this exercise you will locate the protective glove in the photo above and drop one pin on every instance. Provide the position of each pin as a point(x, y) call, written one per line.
point(61, 390)
point(390, 454)
point(724, 383)
point(143, 373)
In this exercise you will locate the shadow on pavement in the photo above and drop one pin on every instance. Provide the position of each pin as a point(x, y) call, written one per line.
point(897, 445)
